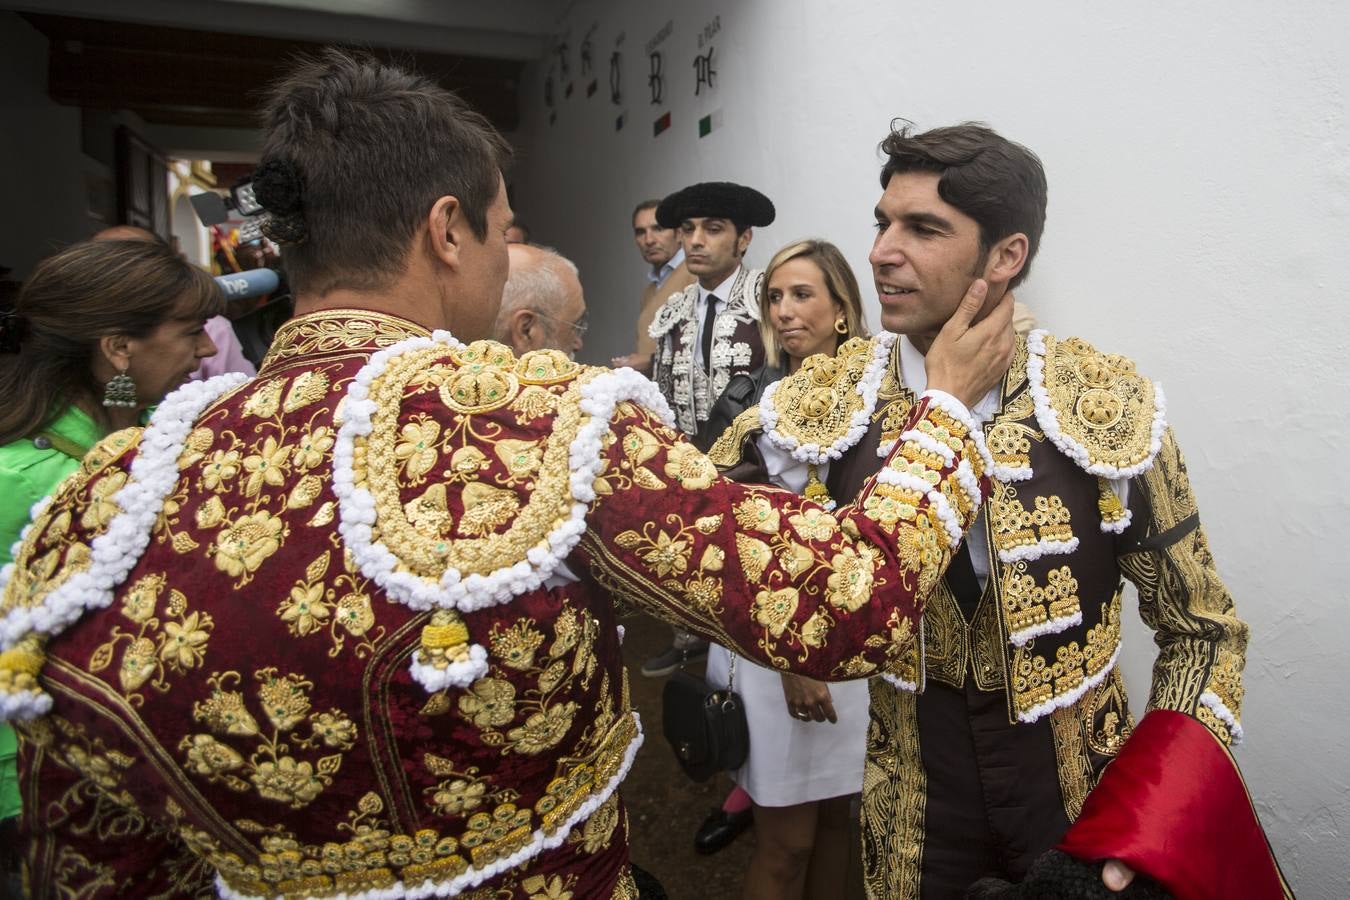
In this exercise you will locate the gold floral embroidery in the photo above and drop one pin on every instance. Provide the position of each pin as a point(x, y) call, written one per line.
point(486, 509)
point(417, 452)
point(757, 514)
point(330, 332)
point(598, 831)
point(267, 466)
point(246, 543)
point(271, 769)
point(495, 704)
point(775, 609)
point(532, 403)
point(489, 703)
point(265, 401)
point(850, 584)
point(309, 387)
point(521, 458)
point(689, 468)
point(814, 524)
point(316, 604)
point(498, 526)
point(312, 448)
point(542, 887)
point(222, 466)
point(101, 508)
point(158, 647)
point(515, 646)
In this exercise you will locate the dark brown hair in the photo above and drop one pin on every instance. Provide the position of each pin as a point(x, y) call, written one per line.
point(89, 291)
point(645, 204)
point(373, 147)
point(998, 183)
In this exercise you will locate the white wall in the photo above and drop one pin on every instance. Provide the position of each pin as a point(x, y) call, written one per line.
point(1199, 166)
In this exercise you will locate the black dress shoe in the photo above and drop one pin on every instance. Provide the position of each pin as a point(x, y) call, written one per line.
point(720, 829)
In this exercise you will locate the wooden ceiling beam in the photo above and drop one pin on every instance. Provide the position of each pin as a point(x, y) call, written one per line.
point(180, 77)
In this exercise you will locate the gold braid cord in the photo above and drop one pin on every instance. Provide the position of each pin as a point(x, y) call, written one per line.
point(1202, 643)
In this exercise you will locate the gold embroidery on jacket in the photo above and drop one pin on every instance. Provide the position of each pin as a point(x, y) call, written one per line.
point(172, 643)
point(1100, 401)
point(495, 702)
point(340, 606)
point(1027, 603)
point(1071, 759)
point(1016, 526)
point(1035, 679)
point(336, 331)
point(894, 795)
point(273, 771)
point(481, 380)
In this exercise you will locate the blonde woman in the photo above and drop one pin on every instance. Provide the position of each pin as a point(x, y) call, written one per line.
point(806, 737)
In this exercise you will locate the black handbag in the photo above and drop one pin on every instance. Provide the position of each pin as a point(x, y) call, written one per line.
point(706, 728)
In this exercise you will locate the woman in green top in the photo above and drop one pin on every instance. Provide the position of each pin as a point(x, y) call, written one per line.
point(100, 332)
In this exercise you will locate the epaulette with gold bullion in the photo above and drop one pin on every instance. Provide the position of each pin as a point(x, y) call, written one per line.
point(1094, 406)
point(821, 410)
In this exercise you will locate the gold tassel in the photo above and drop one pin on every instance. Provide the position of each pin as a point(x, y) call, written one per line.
point(816, 490)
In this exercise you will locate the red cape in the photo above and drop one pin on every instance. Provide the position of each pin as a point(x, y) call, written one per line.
point(1173, 806)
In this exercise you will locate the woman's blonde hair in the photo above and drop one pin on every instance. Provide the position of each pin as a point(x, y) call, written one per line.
point(839, 281)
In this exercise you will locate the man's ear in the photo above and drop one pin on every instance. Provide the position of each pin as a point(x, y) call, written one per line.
point(1006, 259)
point(522, 327)
point(743, 241)
point(447, 230)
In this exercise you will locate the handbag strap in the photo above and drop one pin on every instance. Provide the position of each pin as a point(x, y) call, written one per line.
point(731, 669)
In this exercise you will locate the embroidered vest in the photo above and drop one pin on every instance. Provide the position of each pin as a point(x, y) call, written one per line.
point(736, 347)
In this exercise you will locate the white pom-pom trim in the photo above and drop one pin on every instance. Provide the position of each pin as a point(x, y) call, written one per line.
point(113, 554)
point(1049, 420)
point(357, 517)
point(1054, 626)
point(900, 683)
point(1119, 525)
point(1009, 474)
point(455, 675)
point(539, 842)
point(1070, 698)
point(1029, 552)
point(866, 389)
point(1223, 713)
point(939, 504)
point(957, 410)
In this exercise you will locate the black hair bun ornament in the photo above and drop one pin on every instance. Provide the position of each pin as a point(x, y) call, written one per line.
point(13, 327)
point(280, 189)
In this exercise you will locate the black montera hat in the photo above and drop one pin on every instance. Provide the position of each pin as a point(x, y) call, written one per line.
point(745, 206)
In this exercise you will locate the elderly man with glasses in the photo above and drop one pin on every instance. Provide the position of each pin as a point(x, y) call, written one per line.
point(543, 307)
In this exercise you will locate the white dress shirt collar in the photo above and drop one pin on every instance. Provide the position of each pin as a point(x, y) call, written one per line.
point(915, 376)
point(658, 276)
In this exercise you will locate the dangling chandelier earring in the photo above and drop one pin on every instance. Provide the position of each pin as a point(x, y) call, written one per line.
point(120, 391)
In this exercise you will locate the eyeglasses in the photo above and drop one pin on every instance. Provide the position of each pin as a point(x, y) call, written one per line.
point(579, 326)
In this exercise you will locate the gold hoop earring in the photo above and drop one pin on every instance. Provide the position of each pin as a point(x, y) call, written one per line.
point(841, 326)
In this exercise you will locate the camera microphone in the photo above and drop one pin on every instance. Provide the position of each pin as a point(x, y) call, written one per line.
point(243, 285)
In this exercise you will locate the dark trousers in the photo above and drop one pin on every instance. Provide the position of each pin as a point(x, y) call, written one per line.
point(993, 796)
